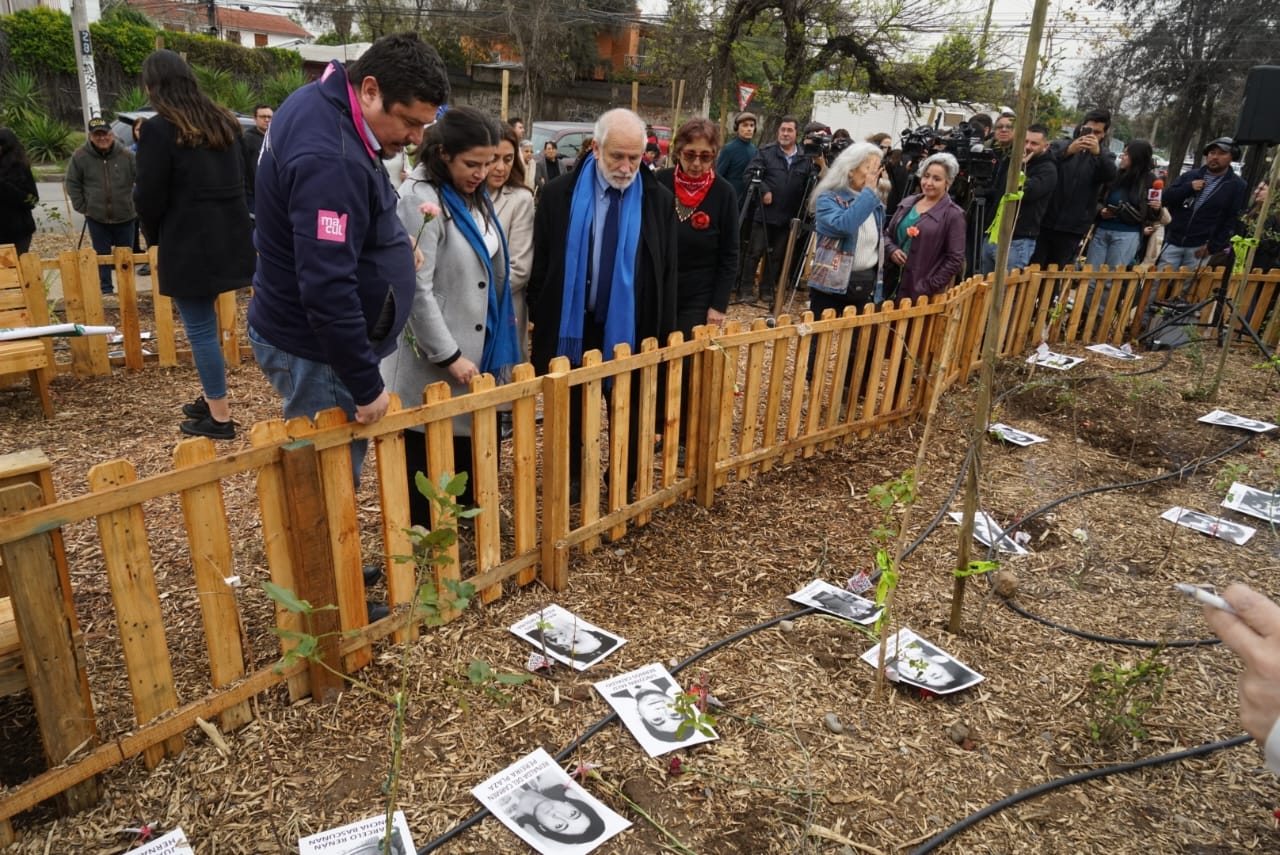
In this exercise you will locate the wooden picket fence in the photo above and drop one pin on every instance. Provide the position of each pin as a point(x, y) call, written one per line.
point(739, 400)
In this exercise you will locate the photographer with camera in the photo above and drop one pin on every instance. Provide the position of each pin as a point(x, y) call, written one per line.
point(779, 175)
point(1129, 206)
point(1085, 166)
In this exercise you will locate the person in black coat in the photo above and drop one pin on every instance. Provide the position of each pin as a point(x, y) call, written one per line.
point(561, 241)
point(18, 193)
point(193, 171)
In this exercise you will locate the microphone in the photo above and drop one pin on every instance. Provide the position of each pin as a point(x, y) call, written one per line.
point(1157, 189)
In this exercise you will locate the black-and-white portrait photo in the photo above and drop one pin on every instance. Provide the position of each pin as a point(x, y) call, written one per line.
point(988, 532)
point(1254, 502)
point(836, 601)
point(545, 808)
point(1226, 419)
point(1012, 435)
point(645, 700)
point(362, 837)
point(912, 660)
point(1114, 352)
point(566, 637)
point(1223, 529)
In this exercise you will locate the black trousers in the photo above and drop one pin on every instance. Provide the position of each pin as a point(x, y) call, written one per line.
point(593, 339)
point(771, 242)
point(415, 461)
point(860, 293)
point(1055, 247)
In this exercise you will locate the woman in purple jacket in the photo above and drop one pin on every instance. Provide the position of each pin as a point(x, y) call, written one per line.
point(924, 241)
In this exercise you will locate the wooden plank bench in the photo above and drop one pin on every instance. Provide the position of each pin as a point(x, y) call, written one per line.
point(22, 305)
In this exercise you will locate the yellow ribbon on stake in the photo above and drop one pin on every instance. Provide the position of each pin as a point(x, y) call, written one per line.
point(993, 232)
point(1240, 247)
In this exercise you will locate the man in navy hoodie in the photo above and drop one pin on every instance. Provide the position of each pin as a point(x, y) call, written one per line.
point(335, 276)
point(1205, 204)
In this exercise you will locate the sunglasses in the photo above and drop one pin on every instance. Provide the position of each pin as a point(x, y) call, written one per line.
point(1004, 127)
point(701, 156)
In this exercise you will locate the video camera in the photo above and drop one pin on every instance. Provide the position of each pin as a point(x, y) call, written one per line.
point(978, 161)
point(819, 144)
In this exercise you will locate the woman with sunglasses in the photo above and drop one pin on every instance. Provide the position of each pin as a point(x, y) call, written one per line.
point(707, 234)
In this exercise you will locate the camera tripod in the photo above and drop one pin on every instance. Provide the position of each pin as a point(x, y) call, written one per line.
point(1221, 320)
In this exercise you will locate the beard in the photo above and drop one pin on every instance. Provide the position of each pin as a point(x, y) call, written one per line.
point(617, 181)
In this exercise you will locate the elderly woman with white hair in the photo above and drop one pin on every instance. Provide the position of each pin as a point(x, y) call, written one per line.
point(848, 217)
point(924, 241)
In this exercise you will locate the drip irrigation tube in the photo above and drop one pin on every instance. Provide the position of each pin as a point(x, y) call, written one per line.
point(974, 818)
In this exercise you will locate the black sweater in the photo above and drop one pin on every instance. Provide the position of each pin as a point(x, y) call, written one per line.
point(708, 257)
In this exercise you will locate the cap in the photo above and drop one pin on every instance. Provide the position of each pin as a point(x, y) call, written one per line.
point(97, 123)
point(745, 117)
point(1226, 144)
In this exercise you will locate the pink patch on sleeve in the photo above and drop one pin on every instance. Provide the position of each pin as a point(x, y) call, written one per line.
point(330, 225)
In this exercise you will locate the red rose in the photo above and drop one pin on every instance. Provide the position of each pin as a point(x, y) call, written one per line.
point(700, 220)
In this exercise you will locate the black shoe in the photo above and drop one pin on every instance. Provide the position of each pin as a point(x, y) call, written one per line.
point(197, 409)
point(575, 491)
point(371, 573)
point(505, 428)
point(109, 289)
point(210, 427)
point(143, 270)
point(377, 611)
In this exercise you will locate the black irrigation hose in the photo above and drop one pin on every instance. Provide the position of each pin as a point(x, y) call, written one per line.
point(974, 818)
point(604, 722)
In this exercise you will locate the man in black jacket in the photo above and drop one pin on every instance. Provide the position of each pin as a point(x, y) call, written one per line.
point(582, 295)
point(1085, 166)
point(1205, 204)
point(1037, 190)
point(253, 139)
point(785, 171)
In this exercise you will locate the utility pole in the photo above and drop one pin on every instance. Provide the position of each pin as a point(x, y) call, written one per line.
point(86, 70)
point(213, 18)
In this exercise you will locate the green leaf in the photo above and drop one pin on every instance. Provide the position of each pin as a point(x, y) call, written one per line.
point(286, 599)
point(513, 679)
point(456, 485)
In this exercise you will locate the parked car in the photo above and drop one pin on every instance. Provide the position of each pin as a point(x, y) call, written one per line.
point(664, 137)
point(568, 137)
point(122, 127)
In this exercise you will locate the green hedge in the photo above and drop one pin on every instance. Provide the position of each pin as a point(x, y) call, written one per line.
point(41, 39)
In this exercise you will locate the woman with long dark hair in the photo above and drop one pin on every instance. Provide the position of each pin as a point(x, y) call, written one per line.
point(513, 203)
point(1126, 211)
point(463, 321)
point(18, 193)
point(191, 196)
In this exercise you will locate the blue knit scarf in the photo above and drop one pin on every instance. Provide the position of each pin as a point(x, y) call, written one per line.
point(501, 345)
point(620, 323)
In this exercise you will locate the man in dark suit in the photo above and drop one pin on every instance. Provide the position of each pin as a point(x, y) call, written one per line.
point(604, 262)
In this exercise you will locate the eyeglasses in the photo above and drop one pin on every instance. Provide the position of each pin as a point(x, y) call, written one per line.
point(1004, 127)
point(692, 156)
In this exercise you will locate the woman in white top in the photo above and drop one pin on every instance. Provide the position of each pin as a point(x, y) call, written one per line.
point(463, 320)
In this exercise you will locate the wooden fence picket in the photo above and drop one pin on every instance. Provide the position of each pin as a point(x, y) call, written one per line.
point(209, 541)
point(127, 556)
point(524, 472)
point(393, 499)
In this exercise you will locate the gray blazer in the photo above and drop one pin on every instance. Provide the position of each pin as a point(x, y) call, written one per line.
point(515, 213)
point(450, 303)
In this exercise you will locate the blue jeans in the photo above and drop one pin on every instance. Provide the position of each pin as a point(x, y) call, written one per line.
point(1173, 257)
point(1020, 250)
point(307, 387)
point(104, 236)
point(1115, 249)
point(200, 318)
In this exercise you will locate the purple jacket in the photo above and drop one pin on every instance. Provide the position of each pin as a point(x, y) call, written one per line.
point(936, 254)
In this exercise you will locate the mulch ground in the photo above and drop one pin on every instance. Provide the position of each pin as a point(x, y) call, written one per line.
point(777, 780)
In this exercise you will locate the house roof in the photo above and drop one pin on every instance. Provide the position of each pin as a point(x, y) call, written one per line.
point(229, 19)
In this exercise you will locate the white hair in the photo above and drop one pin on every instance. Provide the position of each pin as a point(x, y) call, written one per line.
point(837, 176)
point(944, 159)
point(612, 119)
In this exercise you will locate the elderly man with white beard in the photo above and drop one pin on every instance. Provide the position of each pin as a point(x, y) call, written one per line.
point(604, 261)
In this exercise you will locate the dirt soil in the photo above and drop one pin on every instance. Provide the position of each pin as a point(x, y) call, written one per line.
point(777, 780)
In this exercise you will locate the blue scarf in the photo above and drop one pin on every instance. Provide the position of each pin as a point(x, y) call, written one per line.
point(620, 323)
point(501, 345)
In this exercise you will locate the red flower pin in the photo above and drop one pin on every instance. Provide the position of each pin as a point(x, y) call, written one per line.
point(913, 232)
point(700, 220)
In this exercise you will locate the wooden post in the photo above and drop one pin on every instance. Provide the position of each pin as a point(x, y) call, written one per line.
point(48, 634)
point(675, 117)
point(524, 472)
point(484, 487)
point(440, 461)
point(393, 494)
point(506, 90)
point(209, 539)
point(312, 558)
point(127, 556)
point(162, 311)
point(228, 338)
point(635, 96)
point(555, 473)
point(273, 506)
point(709, 417)
point(344, 535)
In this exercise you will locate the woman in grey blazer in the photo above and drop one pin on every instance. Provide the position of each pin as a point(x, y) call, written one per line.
point(463, 319)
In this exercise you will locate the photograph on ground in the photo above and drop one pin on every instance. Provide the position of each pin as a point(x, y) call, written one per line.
point(567, 638)
point(1226, 419)
point(361, 838)
point(1223, 529)
point(645, 700)
point(538, 801)
point(912, 660)
point(1012, 435)
point(1254, 502)
point(1114, 352)
point(844, 604)
point(988, 532)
